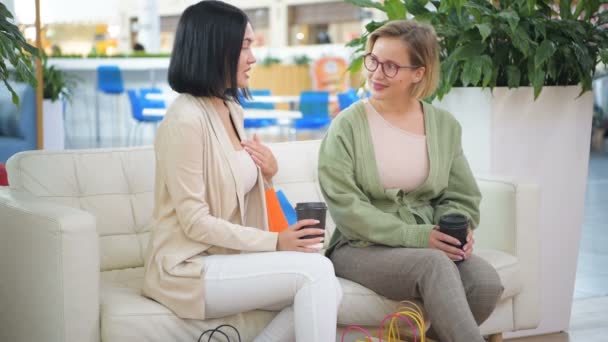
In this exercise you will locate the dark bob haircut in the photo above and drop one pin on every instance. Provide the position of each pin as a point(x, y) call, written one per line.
point(206, 50)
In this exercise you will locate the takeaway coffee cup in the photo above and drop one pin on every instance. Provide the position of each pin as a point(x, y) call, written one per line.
point(314, 211)
point(455, 225)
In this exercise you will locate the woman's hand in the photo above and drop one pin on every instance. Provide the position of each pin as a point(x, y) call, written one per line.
point(441, 241)
point(291, 238)
point(468, 247)
point(262, 156)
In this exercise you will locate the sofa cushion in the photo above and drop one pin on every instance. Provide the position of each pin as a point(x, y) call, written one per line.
point(114, 185)
point(128, 316)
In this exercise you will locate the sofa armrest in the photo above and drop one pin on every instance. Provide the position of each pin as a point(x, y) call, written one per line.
point(523, 243)
point(527, 304)
point(49, 271)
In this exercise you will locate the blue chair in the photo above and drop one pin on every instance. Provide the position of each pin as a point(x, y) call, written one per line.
point(314, 106)
point(346, 99)
point(18, 130)
point(109, 82)
point(258, 123)
point(137, 112)
point(151, 103)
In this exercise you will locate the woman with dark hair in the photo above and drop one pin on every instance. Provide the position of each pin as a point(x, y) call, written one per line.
point(211, 254)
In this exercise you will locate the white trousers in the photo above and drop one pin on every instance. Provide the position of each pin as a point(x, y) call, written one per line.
point(302, 286)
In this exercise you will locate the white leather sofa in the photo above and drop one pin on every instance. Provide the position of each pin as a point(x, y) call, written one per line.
point(74, 227)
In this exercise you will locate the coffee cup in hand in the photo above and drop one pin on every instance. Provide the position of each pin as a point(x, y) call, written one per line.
point(312, 210)
point(455, 225)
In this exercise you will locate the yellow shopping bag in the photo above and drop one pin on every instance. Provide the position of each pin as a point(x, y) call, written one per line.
point(411, 314)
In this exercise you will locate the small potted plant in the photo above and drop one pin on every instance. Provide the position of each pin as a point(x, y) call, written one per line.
point(57, 89)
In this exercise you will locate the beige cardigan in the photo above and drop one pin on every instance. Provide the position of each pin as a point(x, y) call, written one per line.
point(199, 205)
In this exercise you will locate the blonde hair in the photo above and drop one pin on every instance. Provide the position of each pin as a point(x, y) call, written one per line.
point(421, 42)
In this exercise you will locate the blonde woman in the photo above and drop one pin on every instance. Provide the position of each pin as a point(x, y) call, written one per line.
point(390, 167)
point(211, 254)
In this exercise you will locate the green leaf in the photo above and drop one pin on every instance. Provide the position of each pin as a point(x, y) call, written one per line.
point(395, 9)
point(513, 76)
point(579, 8)
point(511, 17)
point(540, 29)
point(366, 4)
point(450, 71)
point(356, 42)
point(416, 8)
point(356, 65)
point(14, 96)
point(444, 6)
point(531, 4)
point(521, 40)
point(373, 26)
point(604, 56)
point(485, 30)
point(468, 51)
point(4, 12)
point(552, 69)
point(487, 69)
point(565, 9)
point(471, 73)
point(482, 8)
point(538, 80)
point(544, 52)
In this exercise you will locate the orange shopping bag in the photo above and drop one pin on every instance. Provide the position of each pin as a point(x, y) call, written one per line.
point(277, 222)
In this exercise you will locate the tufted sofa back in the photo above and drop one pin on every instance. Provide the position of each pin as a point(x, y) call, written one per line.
point(117, 187)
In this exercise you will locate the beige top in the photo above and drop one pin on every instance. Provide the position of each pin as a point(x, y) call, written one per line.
point(200, 206)
point(401, 156)
point(248, 170)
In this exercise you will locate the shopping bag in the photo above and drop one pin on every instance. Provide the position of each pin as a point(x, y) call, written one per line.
point(210, 332)
point(288, 210)
point(410, 314)
point(277, 222)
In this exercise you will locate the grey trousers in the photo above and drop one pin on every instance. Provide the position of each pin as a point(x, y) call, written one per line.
point(456, 298)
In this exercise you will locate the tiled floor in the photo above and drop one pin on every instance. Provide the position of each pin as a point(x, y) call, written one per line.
point(589, 321)
point(592, 270)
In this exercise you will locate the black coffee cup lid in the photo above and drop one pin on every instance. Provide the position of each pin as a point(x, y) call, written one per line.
point(311, 205)
point(453, 220)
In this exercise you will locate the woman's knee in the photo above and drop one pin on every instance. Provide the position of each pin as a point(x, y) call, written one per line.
point(437, 259)
point(319, 267)
point(490, 287)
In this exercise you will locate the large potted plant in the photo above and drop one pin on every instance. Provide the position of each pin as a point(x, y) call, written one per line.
point(506, 43)
point(15, 50)
point(517, 75)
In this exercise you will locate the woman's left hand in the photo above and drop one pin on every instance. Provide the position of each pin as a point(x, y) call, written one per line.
point(262, 156)
point(468, 247)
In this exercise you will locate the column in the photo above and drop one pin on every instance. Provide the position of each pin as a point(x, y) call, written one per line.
point(149, 25)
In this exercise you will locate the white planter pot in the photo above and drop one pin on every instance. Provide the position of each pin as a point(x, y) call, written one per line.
point(546, 142)
point(52, 122)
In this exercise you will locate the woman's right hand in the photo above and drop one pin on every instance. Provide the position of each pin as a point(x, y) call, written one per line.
point(291, 238)
point(441, 241)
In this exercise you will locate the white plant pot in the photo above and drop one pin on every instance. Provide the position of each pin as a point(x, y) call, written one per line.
point(545, 142)
point(52, 122)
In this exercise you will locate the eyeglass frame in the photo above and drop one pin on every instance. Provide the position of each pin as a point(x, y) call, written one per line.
point(381, 65)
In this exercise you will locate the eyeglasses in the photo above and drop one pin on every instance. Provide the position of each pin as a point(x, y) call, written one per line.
point(389, 69)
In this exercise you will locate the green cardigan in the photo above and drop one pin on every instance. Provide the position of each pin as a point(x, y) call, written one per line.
point(364, 212)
